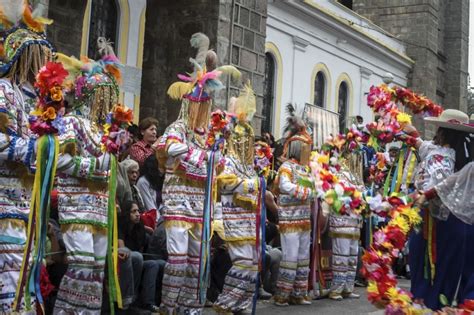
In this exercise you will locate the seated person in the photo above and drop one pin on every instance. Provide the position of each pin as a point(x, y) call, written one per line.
point(134, 271)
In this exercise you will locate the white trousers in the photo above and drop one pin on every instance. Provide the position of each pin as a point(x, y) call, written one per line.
point(239, 285)
point(80, 291)
point(344, 264)
point(181, 275)
point(294, 266)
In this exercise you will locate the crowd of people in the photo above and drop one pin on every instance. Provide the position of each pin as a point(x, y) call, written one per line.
point(100, 215)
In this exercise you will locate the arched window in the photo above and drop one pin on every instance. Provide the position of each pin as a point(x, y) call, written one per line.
point(268, 93)
point(343, 95)
point(104, 18)
point(319, 89)
point(346, 3)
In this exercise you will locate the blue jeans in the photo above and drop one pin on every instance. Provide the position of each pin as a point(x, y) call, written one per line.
point(130, 275)
point(136, 272)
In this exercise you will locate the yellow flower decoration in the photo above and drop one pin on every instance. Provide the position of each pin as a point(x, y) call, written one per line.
point(372, 287)
point(106, 129)
point(49, 114)
point(56, 93)
point(402, 223)
point(323, 159)
point(357, 194)
point(412, 215)
point(37, 112)
point(403, 118)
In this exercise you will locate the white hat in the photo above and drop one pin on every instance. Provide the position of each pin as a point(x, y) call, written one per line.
point(452, 119)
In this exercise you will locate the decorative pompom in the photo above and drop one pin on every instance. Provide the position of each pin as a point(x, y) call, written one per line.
point(230, 70)
point(178, 89)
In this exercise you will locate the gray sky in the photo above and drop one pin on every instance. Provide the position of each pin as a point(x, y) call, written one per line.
point(471, 43)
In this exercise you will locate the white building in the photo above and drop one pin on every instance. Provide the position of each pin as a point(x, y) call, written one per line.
point(325, 54)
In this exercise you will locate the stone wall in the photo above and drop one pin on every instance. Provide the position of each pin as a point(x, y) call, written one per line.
point(248, 47)
point(169, 26)
point(66, 31)
point(436, 36)
point(236, 29)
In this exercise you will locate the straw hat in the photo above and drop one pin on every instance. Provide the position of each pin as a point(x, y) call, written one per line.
point(452, 119)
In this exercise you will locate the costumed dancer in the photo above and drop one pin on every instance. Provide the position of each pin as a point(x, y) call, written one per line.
point(439, 249)
point(295, 191)
point(238, 185)
point(344, 230)
point(24, 50)
point(85, 200)
point(183, 151)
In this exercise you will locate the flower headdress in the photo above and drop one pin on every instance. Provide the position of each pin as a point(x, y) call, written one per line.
point(51, 87)
point(22, 29)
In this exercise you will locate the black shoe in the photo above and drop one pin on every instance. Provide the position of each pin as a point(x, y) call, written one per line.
point(153, 309)
point(264, 295)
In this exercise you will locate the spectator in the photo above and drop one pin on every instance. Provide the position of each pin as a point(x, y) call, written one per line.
point(132, 170)
point(150, 185)
point(360, 122)
point(157, 251)
point(142, 149)
point(269, 139)
point(136, 272)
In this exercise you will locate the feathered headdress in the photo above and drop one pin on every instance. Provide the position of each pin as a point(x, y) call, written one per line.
point(197, 85)
point(241, 140)
point(244, 106)
point(295, 130)
point(89, 77)
point(20, 27)
point(294, 124)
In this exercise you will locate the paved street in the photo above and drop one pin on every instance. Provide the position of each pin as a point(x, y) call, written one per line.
point(325, 306)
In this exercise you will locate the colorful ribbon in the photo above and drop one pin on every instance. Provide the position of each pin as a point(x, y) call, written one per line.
point(204, 261)
point(46, 161)
point(115, 295)
point(260, 238)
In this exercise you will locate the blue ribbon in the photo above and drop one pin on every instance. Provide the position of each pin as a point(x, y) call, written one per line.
point(204, 261)
point(35, 275)
point(263, 245)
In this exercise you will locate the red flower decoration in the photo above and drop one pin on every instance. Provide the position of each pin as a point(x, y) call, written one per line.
point(52, 74)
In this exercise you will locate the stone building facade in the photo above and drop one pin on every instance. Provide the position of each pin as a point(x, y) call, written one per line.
point(236, 29)
point(66, 31)
point(151, 38)
point(436, 33)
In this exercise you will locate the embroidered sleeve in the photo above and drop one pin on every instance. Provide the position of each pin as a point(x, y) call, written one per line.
point(227, 181)
point(190, 160)
point(79, 133)
point(8, 113)
point(17, 149)
point(437, 168)
point(287, 186)
point(82, 167)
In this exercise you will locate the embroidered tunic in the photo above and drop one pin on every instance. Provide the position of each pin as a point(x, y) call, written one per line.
point(296, 190)
point(16, 154)
point(82, 175)
point(238, 185)
point(186, 172)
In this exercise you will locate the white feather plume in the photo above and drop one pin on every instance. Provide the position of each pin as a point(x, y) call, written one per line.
point(201, 42)
point(12, 10)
